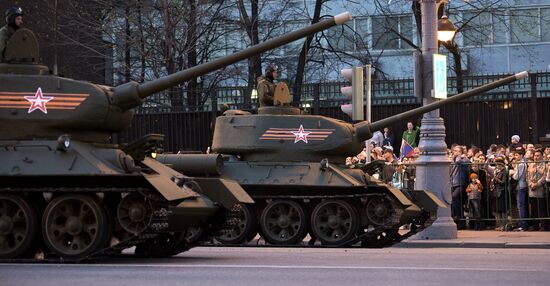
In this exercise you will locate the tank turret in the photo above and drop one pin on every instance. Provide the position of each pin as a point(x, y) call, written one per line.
point(35, 104)
point(279, 133)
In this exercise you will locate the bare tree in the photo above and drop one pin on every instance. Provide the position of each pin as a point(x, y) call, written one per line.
point(302, 58)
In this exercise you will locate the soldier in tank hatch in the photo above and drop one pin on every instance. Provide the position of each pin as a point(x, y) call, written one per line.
point(266, 85)
point(14, 21)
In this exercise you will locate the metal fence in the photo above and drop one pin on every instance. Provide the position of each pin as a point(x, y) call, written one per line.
point(495, 209)
point(508, 209)
point(520, 108)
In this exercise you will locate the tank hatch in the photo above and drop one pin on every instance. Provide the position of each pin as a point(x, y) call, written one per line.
point(21, 55)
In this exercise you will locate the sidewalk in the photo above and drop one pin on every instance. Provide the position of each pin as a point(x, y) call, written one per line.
point(486, 239)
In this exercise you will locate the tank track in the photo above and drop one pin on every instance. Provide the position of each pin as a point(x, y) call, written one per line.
point(157, 226)
point(420, 223)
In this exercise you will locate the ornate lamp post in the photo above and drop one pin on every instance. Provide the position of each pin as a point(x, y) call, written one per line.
point(432, 172)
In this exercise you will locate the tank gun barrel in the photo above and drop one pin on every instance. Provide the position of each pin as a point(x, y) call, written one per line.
point(129, 95)
point(365, 129)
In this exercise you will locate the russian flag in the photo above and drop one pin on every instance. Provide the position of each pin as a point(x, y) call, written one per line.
point(406, 149)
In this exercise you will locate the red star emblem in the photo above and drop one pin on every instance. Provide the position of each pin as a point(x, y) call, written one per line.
point(301, 135)
point(38, 101)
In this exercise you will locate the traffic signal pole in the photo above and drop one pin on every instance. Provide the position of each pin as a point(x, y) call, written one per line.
point(368, 103)
point(360, 77)
point(358, 95)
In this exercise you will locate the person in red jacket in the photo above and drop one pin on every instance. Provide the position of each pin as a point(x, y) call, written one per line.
point(474, 190)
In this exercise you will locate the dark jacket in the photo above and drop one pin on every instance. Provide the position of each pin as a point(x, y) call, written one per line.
point(5, 34)
point(388, 140)
point(459, 171)
point(498, 182)
point(266, 91)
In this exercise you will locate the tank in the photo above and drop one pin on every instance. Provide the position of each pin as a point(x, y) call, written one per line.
point(65, 189)
point(293, 166)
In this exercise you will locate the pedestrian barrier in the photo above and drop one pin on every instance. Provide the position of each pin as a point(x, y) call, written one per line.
point(503, 208)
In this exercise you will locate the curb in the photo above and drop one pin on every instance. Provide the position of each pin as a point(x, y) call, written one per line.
point(470, 244)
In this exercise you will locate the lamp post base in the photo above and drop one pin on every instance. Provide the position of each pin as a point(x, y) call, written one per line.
point(432, 174)
point(442, 228)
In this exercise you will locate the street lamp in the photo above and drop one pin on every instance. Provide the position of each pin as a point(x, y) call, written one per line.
point(432, 167)
point(445, 29)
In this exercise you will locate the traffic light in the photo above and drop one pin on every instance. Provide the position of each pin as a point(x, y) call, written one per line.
point(354, 92)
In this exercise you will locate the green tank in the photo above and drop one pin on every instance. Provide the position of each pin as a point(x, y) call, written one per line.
point(68, 191)
point(293, 166)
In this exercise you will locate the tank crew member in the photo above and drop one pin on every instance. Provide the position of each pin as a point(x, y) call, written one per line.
point(266, 87)
point(14, 21)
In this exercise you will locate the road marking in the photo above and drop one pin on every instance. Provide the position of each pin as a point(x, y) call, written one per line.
point(313, 267)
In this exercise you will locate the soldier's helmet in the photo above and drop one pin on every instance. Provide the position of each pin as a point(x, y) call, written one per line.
point(269, 71)
point(13, 13)
point(271, 68)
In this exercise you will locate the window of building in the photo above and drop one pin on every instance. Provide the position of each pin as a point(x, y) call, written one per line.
point(236, 39)
point(500, 28)
point(362, 33)
point(270, 30)
point(387, 32)
point(477, 28)
point(406, 30)
point(341, 37)
point(545, 24)
point(524, 25)
point(484, 28)
point(291, 26)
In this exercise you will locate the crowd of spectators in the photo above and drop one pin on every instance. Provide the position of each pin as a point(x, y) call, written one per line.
point(513, 189)
point(503, 188)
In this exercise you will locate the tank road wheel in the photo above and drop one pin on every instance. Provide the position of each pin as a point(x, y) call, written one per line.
point(334, 222)
point(380, 210)
point(134, 213)
point(243, 229)
point(163, 245)
point(19, 227)
point(194, 234)
point(283, 222)
point(75, 226)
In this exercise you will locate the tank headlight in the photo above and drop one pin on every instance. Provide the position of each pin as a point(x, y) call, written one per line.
point(154, 155)
point(324, 164)
point(63, 142)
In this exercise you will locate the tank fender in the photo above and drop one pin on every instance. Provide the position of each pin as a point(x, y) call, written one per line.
point(341, 173)
point(224, 191)
point(398, 195)
point(191, 212)
point(426, 200)
point(162, 181)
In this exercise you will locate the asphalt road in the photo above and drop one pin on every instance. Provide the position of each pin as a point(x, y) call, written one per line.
point(284, 266)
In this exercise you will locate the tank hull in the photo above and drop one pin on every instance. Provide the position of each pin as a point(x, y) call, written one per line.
point(310, 184)
point(74, 192)
point(337, 204)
